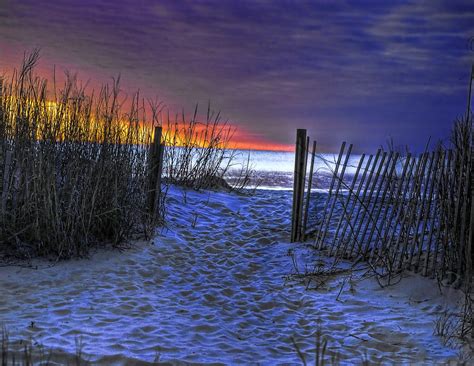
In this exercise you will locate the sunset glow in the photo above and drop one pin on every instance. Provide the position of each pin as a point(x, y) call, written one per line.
point(396, 69)
point(176, 134)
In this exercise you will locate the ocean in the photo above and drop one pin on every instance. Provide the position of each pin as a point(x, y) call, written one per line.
point(273, 170)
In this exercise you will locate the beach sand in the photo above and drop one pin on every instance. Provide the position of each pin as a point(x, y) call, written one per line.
point(213, 288)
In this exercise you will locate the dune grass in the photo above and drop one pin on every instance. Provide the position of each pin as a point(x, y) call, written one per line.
point(198, 153)
point(29, 353)
point(74, 163)
point(73, 166)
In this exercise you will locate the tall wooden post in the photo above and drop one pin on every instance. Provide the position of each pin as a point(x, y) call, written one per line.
point(155, 168)
point(308, 192)
point(298, 185)
point(301, 228)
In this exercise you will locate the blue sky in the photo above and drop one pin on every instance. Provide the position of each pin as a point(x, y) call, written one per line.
point(360, 71)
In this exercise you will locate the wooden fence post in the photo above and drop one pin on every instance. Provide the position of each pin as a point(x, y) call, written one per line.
point(308, 192)
point(298, 184)
point(301, 228)
point(155, 168)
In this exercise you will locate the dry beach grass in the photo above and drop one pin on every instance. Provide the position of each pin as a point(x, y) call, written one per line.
point(73, 169)
point(74, 165)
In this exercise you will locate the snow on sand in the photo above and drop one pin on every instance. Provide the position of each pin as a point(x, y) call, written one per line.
point(212, 288)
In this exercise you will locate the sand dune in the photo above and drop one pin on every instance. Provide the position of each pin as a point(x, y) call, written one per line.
point(212, 288)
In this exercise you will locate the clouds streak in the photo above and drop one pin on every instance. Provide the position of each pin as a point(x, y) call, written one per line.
point(272, 66)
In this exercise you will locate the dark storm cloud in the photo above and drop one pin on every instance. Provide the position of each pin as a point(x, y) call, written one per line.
point(359, 71)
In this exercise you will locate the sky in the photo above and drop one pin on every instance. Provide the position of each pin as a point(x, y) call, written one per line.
point(356, 71)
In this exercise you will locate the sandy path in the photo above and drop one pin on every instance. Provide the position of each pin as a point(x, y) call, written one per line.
point(216, 293)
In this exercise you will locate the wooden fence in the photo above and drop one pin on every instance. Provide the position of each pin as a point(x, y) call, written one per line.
point(401, 212)
point(395, 211)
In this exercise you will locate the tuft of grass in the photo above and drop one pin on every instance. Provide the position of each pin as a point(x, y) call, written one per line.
point(73, 166)
point(456, 326)
point(29, 353)
point(321, 354)
point(198, 154)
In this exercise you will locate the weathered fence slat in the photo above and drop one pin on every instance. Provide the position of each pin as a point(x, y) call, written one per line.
point(430, 182)
point(433, 227)
point(366, 208)
point(411, 215)
point(155, 167)
point(424, 183)
point(354, 205)
point(308, 192)
point(298, 184)
point(336, 243)
point(400, 207)
point(376, 222)
point(300, 234)
point(397, 201)
point(370, 214)
point(447, 176)
point(336, 196)
point(354, 231)
point(318, 242)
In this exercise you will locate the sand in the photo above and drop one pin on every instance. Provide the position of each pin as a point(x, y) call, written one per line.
point(213, 288)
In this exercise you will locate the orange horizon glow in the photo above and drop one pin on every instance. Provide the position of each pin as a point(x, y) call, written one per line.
point(246, 140)
point(241, 139)
point(172, 134)
point(263, 147)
